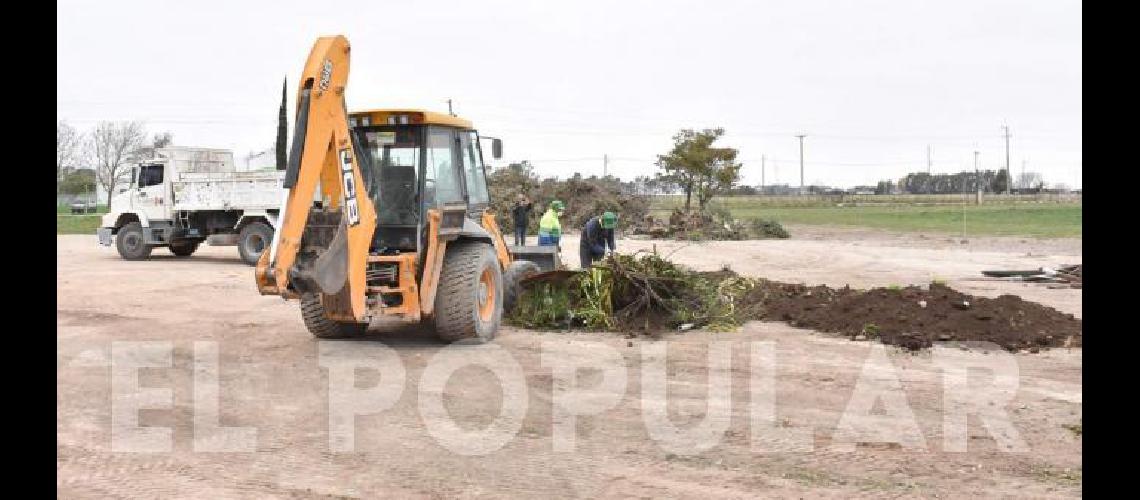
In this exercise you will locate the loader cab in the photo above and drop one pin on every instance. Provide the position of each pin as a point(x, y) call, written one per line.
point(414, 161)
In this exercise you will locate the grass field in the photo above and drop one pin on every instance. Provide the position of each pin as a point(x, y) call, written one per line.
point(66, 209)
point(76, 224)
point(1002, 219)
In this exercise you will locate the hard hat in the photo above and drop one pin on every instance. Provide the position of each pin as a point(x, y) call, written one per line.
point(557, 205)
point(609, 220)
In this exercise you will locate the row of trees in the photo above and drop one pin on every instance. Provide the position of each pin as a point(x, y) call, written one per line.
point(991, 181)
point(100, 156)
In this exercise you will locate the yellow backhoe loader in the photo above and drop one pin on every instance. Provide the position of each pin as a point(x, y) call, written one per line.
point(386, 214)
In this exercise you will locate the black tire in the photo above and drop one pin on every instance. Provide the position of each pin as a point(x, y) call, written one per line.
point(514, 274)
point(313, 313)
point(465, 307)
point(130, 242)
point(184, 249)
point(254, 238)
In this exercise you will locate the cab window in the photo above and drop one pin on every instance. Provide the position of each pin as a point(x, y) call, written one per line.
point(442, 183)
point(473, 168)
point(150, 175)
point(393, 156)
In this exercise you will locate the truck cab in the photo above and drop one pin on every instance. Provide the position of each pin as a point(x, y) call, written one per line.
point(146, 193)
point(185, 196)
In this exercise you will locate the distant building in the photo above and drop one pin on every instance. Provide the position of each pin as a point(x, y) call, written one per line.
point(779, 190)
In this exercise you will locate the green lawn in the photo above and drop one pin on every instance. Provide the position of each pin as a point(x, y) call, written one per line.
point(66, 209)
point(1020, 219)
point(76, 224)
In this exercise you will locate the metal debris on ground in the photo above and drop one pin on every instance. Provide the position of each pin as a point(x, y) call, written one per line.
point(1070, 276)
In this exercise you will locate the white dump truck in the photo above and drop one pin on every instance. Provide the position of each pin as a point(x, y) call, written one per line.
point(185, 196)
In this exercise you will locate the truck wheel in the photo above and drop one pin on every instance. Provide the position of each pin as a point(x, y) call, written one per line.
point(184, 249)
point(313, 312)
point(468, 303)
point(512, 278)
point(254, 239)
point(130, 242)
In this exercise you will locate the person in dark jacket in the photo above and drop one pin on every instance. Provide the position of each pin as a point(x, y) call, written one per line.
point(598, 234)
point(520, 215)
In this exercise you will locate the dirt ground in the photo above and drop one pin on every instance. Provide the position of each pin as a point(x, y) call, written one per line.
point(271, 380)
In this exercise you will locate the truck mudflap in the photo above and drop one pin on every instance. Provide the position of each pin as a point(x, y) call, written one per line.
point(104, 235)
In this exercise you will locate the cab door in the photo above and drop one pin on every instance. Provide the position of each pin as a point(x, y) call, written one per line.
point(150, 194)
point(443, 169)
point(474, 175)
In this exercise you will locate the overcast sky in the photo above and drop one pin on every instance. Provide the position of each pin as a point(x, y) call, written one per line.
point(871, 83)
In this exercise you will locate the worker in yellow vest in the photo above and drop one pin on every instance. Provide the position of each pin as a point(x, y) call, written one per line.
point(549, 227)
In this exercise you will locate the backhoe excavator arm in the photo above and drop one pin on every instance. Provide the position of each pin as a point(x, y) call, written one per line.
point(322, 154)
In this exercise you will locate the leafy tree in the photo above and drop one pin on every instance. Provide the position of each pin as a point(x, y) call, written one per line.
point(78, 181)
point(697, 167)
point(1000, 181)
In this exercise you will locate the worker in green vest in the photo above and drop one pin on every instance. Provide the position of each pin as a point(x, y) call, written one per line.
point(549, 228)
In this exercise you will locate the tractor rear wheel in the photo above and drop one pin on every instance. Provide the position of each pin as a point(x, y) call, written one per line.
point(469, 300)
point(313, 312)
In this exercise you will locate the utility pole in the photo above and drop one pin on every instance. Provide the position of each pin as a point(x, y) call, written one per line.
point(801, 136)
point(449, 108)
point(1023, 174)
point(977, 181)
point(763, 158)
point(1009, 176)
point(929, 161)
point(605, 165)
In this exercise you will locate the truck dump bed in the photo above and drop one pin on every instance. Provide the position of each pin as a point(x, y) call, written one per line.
point(228, 190)
point(205, 179)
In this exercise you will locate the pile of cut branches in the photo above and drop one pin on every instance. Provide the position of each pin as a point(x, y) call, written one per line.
point(716, 223)
point(642, 292)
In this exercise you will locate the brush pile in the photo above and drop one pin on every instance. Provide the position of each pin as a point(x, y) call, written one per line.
point(709, 225)
point(644, 293)
point(633, 293)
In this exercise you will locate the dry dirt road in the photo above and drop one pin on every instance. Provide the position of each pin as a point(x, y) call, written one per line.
point(271, 380)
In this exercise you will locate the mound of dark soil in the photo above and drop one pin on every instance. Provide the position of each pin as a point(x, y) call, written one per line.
point(913, 317)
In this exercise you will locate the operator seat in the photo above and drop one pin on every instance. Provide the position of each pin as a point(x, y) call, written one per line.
point(397, 213)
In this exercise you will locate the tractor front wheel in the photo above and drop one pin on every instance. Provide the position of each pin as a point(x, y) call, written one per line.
point(469, 301)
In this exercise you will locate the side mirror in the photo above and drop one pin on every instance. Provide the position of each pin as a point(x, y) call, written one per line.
point(497, 148)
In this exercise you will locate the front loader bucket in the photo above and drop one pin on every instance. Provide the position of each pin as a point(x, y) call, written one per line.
point(547, 257)
point(555, 277)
